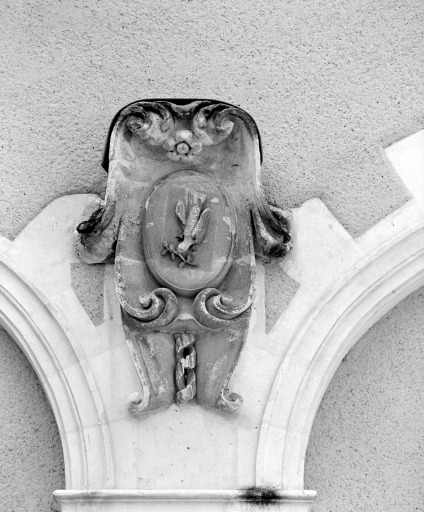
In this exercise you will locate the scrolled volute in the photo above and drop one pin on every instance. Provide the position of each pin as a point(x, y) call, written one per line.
point(271, 227)
point(229, 401)
point(211, 125)
point(214, 309)
point(137, 403)
point(152, 122)
point(157, 309)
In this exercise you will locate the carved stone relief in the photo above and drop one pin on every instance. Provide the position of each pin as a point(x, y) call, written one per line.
point(183, 217)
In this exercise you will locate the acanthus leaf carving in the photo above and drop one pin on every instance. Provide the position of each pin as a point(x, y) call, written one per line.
point(211, 124)
point(153, 123)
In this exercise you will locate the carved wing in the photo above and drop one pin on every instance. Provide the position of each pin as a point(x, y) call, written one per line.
point(180, 210)
point(195, 198)
point(199, 231)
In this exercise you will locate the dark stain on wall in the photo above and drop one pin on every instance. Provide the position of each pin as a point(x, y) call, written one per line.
point(260, 496)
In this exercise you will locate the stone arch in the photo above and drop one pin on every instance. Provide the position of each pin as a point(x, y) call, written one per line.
point(351, 306)
point(50, 345)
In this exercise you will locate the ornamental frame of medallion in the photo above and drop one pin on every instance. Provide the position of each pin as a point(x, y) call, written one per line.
point(183, 217)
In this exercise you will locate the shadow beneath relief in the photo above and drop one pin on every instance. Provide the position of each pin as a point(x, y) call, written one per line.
point(87, 284)
point(280, 289)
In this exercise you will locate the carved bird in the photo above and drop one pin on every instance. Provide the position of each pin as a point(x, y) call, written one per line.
point(193, 221)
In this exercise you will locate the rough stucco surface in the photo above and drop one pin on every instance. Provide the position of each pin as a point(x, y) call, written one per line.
point(366, 452)
point(328, 83)
point(31, 456)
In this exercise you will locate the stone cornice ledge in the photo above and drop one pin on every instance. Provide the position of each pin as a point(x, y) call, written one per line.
point(183, 500)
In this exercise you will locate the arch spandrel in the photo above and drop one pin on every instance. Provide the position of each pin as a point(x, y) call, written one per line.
point(391, 267)
point(41, 330)
point(358, 298)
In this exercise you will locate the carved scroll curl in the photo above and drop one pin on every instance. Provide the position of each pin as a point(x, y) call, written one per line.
point(157, 309)
point(213, 309)
point(211, 124)
point(152, 122)
point(229, 401)
point(136, 403)
point(98, 220)
point(270, 228)
point(95, 237)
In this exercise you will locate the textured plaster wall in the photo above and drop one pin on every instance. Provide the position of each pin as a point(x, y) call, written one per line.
point(31, 459)
point(329, 84)
point(366, 451)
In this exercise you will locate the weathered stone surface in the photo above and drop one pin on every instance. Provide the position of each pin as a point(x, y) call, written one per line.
point(184, 216)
